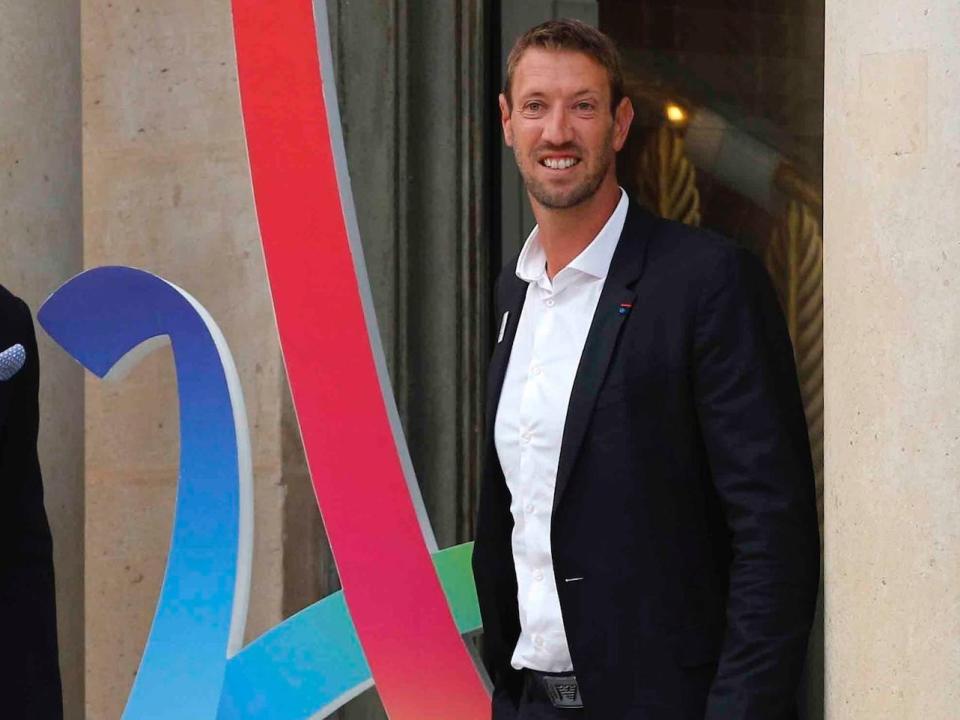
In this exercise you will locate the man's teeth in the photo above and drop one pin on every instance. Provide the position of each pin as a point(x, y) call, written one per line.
point(559, 163)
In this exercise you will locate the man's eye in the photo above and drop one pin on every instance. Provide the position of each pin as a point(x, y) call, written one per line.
point(585, 106)
point(533, 107)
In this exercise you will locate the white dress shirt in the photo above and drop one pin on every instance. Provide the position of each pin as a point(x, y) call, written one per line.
point(529, 425)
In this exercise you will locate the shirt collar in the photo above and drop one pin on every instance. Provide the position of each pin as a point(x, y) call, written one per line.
point(593, 260)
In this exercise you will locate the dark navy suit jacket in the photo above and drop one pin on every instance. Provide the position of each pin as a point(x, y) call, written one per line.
point(29, 670)
point(684, 496)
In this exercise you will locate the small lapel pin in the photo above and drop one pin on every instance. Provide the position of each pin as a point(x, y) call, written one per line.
point(11, 361)
point(503, 326)
point(625, 308)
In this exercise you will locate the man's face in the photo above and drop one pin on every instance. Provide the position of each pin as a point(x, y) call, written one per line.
point(560, 126)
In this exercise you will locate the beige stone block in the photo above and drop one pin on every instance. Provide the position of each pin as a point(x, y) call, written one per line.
point(132, 451)
point(167, 189)
point(892, 103)
point(892, 267)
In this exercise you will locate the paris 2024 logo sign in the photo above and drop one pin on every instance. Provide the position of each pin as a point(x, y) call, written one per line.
point(405, 604)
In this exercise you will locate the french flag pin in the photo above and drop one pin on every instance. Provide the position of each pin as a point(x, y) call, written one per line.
point(625, 308)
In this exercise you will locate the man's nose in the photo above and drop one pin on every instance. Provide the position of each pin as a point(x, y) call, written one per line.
point(557, 129)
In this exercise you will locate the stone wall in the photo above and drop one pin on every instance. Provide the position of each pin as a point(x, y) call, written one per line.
point(892, 275)
point(167, 189)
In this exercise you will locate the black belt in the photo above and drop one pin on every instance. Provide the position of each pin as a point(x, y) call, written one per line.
point(561, 689)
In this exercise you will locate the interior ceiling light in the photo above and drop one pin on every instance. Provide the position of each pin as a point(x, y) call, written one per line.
point(676, 114)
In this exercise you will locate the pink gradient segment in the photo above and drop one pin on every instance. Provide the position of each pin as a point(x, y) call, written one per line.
point(420, 664)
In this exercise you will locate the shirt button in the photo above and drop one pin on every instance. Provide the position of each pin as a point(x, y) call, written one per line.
point(529, 508)
point(526, 437)
point(549, 302)
point(537, 370)
point(538, 641)
point(538, 576)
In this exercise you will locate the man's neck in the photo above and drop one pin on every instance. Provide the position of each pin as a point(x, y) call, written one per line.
point(563, 234)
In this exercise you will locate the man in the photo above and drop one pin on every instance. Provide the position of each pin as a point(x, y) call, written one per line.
point(29, 671)
point(647, 544)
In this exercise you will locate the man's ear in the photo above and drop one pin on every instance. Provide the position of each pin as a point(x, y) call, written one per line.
point(505, 120)
point(622, 119)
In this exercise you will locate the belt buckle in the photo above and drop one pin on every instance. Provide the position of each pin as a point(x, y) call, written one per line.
point(563, 690)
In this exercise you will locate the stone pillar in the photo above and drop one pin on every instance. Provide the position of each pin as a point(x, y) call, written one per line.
point(40, 247)
point(167, 189)
point(892, 337)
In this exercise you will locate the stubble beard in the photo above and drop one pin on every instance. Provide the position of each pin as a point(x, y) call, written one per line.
point(570, 197)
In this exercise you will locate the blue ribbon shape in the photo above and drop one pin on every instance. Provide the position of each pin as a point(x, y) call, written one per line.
point(108, 318)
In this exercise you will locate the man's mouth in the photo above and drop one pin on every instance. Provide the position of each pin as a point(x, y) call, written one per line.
point(559, 163)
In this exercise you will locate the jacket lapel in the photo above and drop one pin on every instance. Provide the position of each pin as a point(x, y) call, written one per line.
point(513, 296)
point(618, 290)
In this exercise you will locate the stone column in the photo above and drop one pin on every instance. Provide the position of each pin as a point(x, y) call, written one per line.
point(167, 189)
point(40, 247)
point(892, 337)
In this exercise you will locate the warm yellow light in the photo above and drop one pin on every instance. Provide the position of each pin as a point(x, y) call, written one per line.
point(676, 114)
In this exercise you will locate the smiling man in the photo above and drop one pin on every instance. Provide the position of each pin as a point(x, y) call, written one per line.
point(647, 543)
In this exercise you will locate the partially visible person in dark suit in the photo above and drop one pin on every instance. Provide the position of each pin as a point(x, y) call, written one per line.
point(647, 543)
point(29, 670)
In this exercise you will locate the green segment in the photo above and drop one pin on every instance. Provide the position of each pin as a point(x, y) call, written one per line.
point(456, 576)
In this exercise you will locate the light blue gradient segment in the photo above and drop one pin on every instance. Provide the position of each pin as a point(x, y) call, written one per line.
point(99, 317)
point(307, 666)
point(312, 663)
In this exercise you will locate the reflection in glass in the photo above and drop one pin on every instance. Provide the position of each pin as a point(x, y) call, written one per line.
point(729, 135)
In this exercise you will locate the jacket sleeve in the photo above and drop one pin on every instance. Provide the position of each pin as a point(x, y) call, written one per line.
point(754, 432)
point(25, 528)
point(28, 619)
